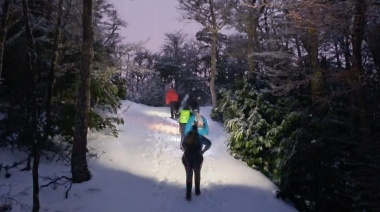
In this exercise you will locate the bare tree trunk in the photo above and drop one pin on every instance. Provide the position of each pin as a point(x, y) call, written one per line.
point(374, 45)
point(33, 110)
point(53, 67)
point(337, 55)
point(3, 33)
point(298, 47)
point(358, 27)
point(252, 24)
point(79, 168)
point(251, 48)
point(316, 80)
point(347, 54)
point(214, 43)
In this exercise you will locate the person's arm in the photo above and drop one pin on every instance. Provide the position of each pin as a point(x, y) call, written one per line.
point(206, 125)
point(189, 125)
point(183, 144)
point(184, 100)
point(206, 142)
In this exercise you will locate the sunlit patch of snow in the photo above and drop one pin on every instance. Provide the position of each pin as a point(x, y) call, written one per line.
point(157, 113)
point(168, 129)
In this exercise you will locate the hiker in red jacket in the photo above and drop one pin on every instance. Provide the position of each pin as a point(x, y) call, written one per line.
point(171, 99)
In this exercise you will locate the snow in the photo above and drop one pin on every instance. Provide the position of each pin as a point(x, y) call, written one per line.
point(141, 170)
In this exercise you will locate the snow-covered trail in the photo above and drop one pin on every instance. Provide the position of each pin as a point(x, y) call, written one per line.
point(147, 155)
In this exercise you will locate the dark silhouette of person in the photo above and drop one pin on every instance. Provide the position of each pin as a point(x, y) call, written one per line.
point(192, 159)
point(193, 102)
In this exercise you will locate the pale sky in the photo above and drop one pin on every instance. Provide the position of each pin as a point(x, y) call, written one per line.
point(151, 19)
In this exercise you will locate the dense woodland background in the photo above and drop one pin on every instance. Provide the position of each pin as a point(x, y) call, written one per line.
point(297, 86)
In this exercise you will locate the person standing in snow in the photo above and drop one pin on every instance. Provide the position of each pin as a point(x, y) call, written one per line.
point(171, 99)
point(192, 145)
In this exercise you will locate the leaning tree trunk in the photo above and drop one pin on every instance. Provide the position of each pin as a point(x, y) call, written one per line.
point(214, 43)
point(32, 106)
point(79, 169)
point(53, 67)
point(3, 33)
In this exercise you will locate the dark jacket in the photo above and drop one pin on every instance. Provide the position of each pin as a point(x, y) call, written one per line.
point(189, 101)
point(193, 103)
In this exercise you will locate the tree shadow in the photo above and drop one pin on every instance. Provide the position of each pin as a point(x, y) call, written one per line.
point(115, 190)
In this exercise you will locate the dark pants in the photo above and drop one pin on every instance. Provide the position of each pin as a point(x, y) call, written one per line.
point(193, 164)
point(173, 109)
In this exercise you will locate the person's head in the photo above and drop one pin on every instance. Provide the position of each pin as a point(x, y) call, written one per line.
point(196, 112)
point(191, 137)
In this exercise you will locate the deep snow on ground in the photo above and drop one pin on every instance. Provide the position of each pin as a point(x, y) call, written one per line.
point(141, 170)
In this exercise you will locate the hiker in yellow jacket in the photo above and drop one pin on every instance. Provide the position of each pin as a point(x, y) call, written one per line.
point(184, 116)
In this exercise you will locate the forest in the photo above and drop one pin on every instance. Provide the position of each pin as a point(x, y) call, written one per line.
point(296, 87)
